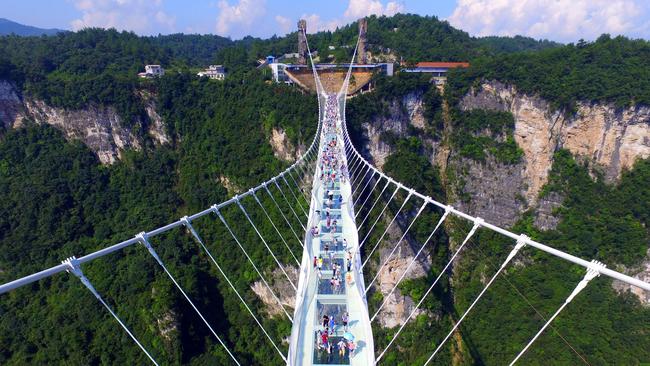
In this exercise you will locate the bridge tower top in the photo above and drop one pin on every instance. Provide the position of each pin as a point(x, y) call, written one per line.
point(363, 29)
point(302, 42)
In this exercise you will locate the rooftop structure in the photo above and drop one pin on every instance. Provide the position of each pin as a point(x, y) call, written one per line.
point(437, 69)
point(151, 71)
point(215, 72)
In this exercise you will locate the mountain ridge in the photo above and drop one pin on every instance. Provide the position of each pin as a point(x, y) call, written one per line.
point(8, 27)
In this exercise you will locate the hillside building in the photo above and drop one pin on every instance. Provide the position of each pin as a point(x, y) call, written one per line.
point(437, 69)
point(214, 72)
point(151, 71)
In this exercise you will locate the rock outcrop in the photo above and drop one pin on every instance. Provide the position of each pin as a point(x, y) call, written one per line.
point(281, 287)
point(282, 148)
point(610, 138)
point(98, 127)
point(641, 272)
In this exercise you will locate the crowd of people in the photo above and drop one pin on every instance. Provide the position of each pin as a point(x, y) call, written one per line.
point(324, 336)
point(333, 170)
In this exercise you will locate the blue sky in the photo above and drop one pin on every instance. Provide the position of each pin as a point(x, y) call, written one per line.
point(560, 20)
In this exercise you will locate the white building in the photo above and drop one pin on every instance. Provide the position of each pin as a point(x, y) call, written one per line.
point(151, 71)
point(215, 72)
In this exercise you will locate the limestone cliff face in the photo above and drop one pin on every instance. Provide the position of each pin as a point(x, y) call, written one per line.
point(283, 149)
point(100, 128)
point(402, 113)
point(282, 289)
point(610, 138)
point(398, 306)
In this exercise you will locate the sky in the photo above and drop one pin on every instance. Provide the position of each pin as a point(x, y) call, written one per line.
point(558, 20)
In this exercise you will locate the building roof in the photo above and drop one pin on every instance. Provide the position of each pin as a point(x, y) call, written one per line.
point(442, 65)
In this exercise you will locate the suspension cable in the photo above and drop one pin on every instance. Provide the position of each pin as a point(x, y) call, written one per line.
point(368, 180)
point(286, 219)
point(286, 183)
point(264, 241)
point(379, 216)
point(477, 223)
point(302, 194)
point(442, 219)
point(223, 220)
point(286, 200)
point(424, 204)
point(74, 267)
point(276, 228)
point(592, 272)
point(367, 196)
point(373, 205)
point(520, 244)
point(196, 236)
point(388, 227)
point(142, 237)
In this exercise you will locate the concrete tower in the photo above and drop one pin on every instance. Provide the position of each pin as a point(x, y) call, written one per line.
point(302, 42)
point(361, 52)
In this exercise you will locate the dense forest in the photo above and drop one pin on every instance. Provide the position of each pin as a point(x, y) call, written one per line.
point(58, 200)
point(598, 220)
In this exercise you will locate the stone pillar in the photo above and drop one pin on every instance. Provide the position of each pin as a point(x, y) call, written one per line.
point(303, 55)
point(361, 52)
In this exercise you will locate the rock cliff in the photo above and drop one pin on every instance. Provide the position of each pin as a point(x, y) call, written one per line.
point(611, 139)
point(98, 127)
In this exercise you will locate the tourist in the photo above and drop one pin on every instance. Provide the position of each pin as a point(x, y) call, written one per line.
point(342, 347)
point(344, 319)
point(326, 320)
point(352, 346)
point(315, 262)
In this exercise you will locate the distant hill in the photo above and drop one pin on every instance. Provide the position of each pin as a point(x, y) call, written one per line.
point(10, 27)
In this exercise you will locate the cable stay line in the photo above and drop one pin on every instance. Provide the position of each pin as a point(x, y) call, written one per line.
point(364, 179)
point(294, 196)
point(276, 228)
point(368, 195)
point(73, 266)
point(592, 272)
point(265, 243)
point(142, 237)
point(395, 247)
point(539, 314)
point(477, 223)
point(356, 173)
point(286, 200)
point(442, 219)
point(520, 244)
point(277, 299)
point(286, 219)
point(379, 216)
point(368, 181)
point(302, 193)
point(388, 227)
point(196, 236)
point(374, 204)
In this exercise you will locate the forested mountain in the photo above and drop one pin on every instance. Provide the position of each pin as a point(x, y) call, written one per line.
point(455, 144)
point(10, 27)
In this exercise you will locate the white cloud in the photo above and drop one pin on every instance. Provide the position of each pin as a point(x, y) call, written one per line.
point(284, 23)
point(237, 20)
point(316, 24)
point(356, 9)
point(562, 20)
point(361, 8)
point(140, 16)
